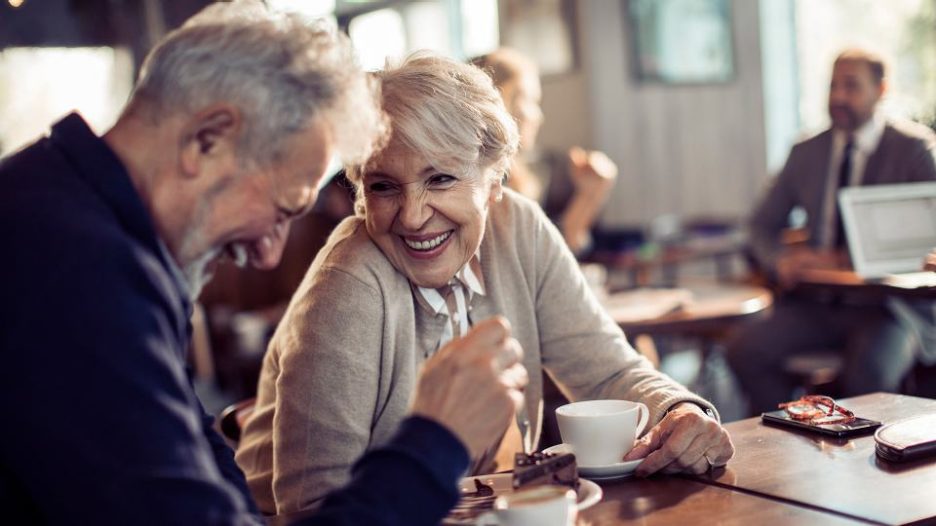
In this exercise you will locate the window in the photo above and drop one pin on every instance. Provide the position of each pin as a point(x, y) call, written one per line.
point(38, 86)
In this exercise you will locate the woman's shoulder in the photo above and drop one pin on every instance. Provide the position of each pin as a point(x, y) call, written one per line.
point(516, 207)
point(519, 215)
point(351, 251)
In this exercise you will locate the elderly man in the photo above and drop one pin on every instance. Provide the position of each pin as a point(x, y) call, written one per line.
point(108, 239)
point(861, 148)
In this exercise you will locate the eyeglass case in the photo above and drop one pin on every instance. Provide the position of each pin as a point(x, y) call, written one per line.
point(908, 439)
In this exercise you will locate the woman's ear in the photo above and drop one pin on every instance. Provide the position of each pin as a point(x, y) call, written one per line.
point(497, 188)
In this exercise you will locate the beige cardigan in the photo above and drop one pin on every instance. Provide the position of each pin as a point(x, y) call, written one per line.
point(343, 363)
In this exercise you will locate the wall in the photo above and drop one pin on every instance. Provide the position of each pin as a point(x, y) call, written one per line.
point(687, 150)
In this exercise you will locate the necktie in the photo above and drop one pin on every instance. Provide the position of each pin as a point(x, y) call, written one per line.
point(844, 178)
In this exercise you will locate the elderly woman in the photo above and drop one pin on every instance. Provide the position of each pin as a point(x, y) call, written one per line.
point(438, 245)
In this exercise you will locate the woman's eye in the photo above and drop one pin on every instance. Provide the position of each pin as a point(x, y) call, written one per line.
point(380, 188)
point(442, 180)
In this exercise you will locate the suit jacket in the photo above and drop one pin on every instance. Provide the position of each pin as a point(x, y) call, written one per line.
point(905, 154)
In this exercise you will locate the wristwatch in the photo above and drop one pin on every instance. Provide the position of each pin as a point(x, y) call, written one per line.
point(707, 410)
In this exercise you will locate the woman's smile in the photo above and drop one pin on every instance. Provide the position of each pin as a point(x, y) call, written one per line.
point(427, 246)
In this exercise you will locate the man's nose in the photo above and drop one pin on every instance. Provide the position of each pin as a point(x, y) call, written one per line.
point(836, 95)
point(268, 250)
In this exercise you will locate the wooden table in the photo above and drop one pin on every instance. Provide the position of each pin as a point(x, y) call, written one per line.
point(667, 501)
point(715, 309)
point(781, 476)
point(844, 281)
point(714, 306)
point(840, 476)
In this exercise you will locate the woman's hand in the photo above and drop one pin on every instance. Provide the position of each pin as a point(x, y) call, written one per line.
point(685, 441)
point(592, 172)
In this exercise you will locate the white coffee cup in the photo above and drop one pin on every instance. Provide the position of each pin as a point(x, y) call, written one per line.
point(601, 432)
point(540, 505)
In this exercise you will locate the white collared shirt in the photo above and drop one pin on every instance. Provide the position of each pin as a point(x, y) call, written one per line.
point(467, 282)
point(866, 140)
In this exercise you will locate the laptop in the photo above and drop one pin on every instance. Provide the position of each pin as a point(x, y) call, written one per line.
point(890, 229)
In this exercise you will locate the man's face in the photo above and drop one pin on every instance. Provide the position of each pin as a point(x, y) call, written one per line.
point(245, 214)
point(853, 95)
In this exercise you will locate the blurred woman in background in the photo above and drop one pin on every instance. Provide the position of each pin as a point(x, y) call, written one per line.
point(591, 173)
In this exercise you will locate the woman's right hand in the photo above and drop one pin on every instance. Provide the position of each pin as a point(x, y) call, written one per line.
point(474, 384)
point(930, 262)
point(592, 171)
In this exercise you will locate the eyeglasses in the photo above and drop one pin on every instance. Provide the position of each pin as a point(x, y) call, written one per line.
point(818, 410)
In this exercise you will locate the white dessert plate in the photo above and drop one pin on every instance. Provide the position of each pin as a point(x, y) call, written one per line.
point(466, 512)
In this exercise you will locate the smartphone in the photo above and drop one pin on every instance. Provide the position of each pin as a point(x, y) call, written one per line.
point(860, 426)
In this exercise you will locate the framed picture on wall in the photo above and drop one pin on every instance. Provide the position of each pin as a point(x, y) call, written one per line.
point(544, 30)
point(681, 41)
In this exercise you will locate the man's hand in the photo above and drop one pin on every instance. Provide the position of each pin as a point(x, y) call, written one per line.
point(473, 385)
point(794, 262)
point(685, 441)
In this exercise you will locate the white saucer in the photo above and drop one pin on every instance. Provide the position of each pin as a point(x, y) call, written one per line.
point(588, 493)
point(618, 470)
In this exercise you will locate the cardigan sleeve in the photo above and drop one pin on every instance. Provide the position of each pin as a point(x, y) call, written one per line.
point(329, 348)
point(582, 348)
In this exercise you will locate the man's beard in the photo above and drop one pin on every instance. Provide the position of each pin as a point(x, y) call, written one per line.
point(199, 272)
point(848, 120)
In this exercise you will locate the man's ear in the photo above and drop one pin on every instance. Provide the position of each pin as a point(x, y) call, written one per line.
point(882, 89)
point(209, 135)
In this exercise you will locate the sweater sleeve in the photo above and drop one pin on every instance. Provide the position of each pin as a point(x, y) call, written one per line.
point(412, 481)
point(582, 348)
point(108, 428)
point(329, 353)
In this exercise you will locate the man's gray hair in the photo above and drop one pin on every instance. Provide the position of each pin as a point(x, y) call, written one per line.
point(279, 70)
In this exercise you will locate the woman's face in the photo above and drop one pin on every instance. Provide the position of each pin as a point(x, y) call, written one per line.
point(523, 95)
point(427, 222)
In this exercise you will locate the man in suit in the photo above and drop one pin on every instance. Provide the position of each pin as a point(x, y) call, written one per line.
point(862, 147)
point(108, 240)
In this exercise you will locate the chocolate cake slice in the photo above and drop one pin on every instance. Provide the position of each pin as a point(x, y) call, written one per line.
point(536, 469)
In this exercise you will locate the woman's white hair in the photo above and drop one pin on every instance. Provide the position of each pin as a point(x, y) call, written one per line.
point(448, 112)
point(279, 70)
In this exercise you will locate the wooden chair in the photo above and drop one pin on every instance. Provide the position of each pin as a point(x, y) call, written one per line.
point(232, 419)
point(814, 371)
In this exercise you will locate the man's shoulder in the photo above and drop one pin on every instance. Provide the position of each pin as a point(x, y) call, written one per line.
point(910, 132)
point(815, 141)
point(63, 236)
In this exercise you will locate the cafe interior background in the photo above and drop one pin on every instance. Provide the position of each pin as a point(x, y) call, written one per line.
point(697, 102)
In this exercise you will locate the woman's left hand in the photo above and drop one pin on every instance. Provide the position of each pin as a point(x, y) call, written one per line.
point(685, 441)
